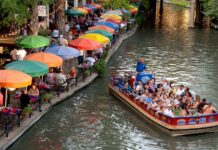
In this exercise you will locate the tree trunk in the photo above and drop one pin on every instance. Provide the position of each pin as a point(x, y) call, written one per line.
point(33, 25)
point(60, 16)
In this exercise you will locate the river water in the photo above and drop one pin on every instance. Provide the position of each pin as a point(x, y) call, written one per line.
point(93, 119)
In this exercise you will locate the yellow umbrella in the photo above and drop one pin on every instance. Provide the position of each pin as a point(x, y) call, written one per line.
point(96, 37)
point(83, 10)
point(111, 16)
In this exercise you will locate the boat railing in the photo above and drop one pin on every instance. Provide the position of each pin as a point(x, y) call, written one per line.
point(175, 121)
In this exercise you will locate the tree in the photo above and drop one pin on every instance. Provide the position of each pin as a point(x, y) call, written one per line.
point(60, 16)
point(117, 4)
point(210, 8)
point(19, 12)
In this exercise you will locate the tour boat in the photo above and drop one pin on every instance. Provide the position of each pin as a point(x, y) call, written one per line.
point(175, 126)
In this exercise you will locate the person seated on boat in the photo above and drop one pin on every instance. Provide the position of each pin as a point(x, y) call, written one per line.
point(141, 96)
point(184, 111)
point(33, 93)
point(154, 104)
point(208, 109)
point(127, 87)
point(168, 111)
point(196, 102)
point(151, 85)
point(177, 99)
point(50, 77)
point(180, 91)
point(148, 98)
point(139, 86)
point(200, 107)
point(140, 66)
point(177, 109)
point(131, 81)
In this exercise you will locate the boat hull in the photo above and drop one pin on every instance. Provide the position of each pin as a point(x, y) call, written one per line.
point(170, 129)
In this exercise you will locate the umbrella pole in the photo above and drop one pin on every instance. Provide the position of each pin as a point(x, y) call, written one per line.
point(6, 97)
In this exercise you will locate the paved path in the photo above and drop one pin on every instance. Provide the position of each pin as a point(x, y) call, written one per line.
point(27, 123)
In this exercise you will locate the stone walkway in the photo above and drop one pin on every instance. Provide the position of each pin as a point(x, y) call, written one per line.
point(27, 123)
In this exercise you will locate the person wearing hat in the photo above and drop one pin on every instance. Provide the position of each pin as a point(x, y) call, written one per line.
point(168, 111)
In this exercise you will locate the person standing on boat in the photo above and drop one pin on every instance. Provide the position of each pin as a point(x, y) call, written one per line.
point(141, 67)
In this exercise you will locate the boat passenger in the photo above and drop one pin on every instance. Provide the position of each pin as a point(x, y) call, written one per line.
point(208, 109)
point(168, 111)
point(181, 90)
point(184, 112)
point(148, 98)
point(177, 109)
point(139, 86)
point(127, 87)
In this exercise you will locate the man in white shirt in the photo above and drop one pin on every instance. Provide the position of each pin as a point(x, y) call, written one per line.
point(168, 111)
point(180, 90)
point(21, 53)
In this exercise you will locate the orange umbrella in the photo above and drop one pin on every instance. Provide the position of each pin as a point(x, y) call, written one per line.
point(114, 21)
point(14, 79)
point(84, 44)
point(102, 27)
point(47, 58)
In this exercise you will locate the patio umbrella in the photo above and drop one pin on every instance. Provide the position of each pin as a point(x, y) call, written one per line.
point(111, 16)
point(32, 68)
point(97, 6)
point(90, 6)
point(115, 12)
point(114, 21)
point(73, 12)
point(102, 32)
point(96, 37)
point(47, 58)
point(63, 51)
point(88, 9)
point(13, 79)
point(82, 10)
point(101, 27)
point(84, 44)
point(33, 41)
point(109, 24)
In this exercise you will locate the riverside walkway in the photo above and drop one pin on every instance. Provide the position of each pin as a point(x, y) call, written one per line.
point(27, 123)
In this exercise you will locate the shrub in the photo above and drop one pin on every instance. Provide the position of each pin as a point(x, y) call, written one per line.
point(100, 67)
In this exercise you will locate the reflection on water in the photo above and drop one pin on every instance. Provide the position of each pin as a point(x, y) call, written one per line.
point(92, 119)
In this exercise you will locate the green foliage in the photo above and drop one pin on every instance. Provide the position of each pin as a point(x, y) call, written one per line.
point(117, 4)
point(183, 3)
point(210, 8)
point(17, 11)
point(44, 32)
point(100, 67)
point(143, 9)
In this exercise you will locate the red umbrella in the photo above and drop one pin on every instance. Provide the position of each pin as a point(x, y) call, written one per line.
point(84, 44)
point(114, 21)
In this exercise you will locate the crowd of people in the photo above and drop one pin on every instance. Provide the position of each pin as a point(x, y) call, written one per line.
point(164, 97)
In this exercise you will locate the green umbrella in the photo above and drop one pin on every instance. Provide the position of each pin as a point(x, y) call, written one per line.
point(102, 32)
point(73, 12)
point(32, 68)
point(33, 41)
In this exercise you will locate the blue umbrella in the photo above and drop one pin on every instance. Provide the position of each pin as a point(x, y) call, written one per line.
point(64, 51)
point(109, 24)
point(90, 6)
